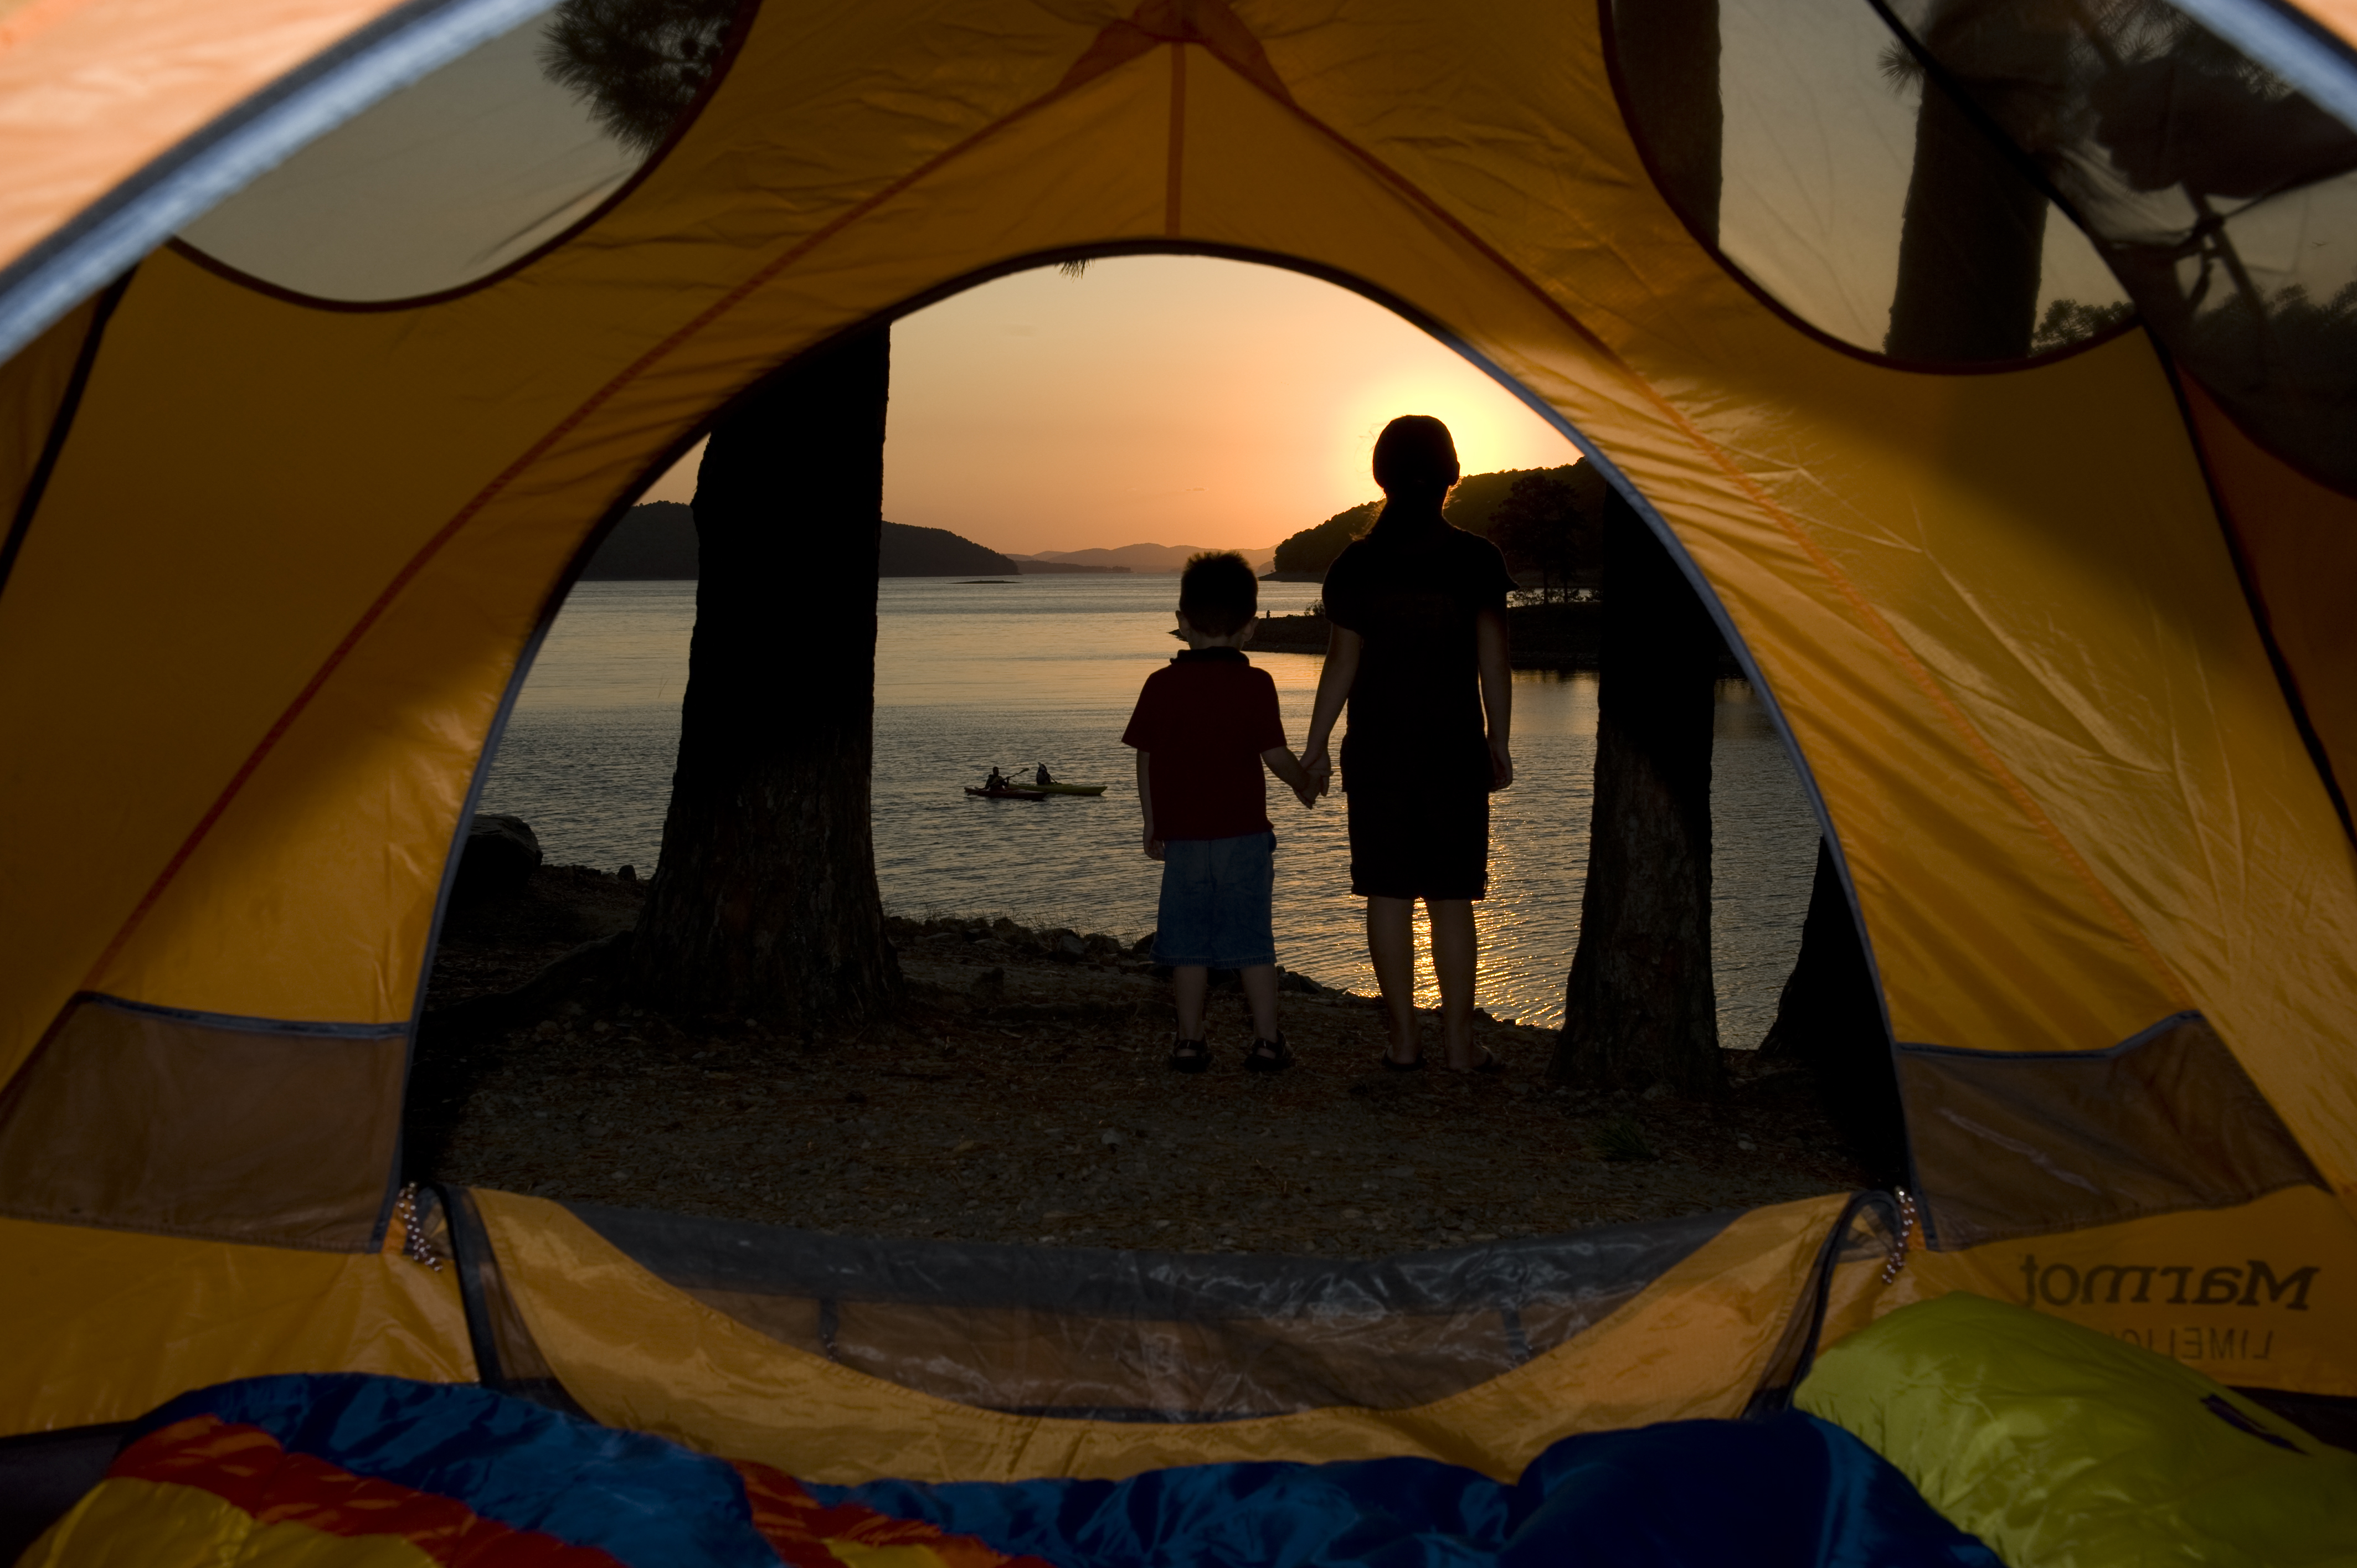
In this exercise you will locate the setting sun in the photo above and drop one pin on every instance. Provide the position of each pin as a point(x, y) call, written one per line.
point(1164, 399)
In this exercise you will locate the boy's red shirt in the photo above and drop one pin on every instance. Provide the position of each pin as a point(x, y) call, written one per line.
point(1202, 721)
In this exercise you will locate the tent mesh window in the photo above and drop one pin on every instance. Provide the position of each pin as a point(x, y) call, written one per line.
point(233, 1129)
point(1808, 146)
point(1157, 1337)
point(480, 165)
point(2011, 1144)
point(2225, 202)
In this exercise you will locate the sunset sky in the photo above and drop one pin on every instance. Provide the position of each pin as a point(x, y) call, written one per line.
point(1165, 400)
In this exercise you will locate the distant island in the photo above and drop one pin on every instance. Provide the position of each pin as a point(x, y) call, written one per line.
point(1039, 566)
point(656, 541)
point(1146, 560)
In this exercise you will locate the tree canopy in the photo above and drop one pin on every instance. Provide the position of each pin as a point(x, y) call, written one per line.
point(1473, 506)
point(1553, 524)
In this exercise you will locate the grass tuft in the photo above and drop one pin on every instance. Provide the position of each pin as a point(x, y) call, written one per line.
point(1623, 1138)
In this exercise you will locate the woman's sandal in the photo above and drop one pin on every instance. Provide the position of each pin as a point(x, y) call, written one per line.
point(1397, 1065)
point(1489, 1063)
point(1190, 1055)
point(1269, 1056)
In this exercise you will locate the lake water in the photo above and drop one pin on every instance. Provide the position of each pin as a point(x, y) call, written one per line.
point(1047, 669)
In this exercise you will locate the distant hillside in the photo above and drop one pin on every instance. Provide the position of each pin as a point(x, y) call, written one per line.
point(1152, 560)
point(912, 551)
point(1476, 497)
point(1040, 566)
point(1314, 549)
point(657, 540)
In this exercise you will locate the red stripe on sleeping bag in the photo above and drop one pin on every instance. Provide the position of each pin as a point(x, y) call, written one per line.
point(246, 1468)
point(799, 1528)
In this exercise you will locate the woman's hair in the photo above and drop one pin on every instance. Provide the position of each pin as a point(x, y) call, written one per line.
point(1218, 593)
point(1415, 456)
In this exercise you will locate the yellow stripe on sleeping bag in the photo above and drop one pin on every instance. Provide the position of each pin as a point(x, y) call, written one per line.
point(127, 1523)
point(856, 1554)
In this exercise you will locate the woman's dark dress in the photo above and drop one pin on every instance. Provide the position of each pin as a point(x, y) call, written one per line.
point(1416, 761)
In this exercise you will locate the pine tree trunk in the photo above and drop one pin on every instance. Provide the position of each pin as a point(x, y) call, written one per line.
point(1971, 246)
point(1640, 1007)
point(764, 904)
point(1668, 53)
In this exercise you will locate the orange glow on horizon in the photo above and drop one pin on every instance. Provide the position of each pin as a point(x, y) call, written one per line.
point(1170, 400)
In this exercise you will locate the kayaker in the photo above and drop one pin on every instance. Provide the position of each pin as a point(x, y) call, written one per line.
point(997, 780)
point(1206, 724)
point(1042, 776)
point(1418, 650)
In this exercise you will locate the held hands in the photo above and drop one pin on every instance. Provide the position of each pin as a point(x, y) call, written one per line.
point(1320, 767)
point(1313, 773)
point(1306, 782)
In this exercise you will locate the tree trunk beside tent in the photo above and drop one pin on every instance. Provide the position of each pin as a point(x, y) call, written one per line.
point(1830, 1018)
point(1640, 1007)
point(765, 903)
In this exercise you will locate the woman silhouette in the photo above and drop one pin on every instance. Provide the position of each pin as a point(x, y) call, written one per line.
point(1418, 651)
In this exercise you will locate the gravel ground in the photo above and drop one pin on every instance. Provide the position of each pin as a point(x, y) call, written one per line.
point(1021, 1096)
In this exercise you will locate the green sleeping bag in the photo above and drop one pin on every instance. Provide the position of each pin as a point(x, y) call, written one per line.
point(2062, 1447)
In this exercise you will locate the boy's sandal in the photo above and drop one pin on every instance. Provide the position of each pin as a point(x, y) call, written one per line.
point(1269, 1056)
point(1489, 1063)
point(1190, 1055)
point(1397, 1065)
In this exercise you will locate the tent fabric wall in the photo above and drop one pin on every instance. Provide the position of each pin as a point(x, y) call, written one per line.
point(2299, 541)
point(103, 1326)
point(292, 557)
point(2249, 1295)
point(40, 383)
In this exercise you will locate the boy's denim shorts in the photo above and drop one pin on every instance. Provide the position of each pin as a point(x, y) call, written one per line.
point(1215, 902)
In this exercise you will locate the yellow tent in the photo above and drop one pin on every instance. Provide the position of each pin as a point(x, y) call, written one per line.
point(2058, 639)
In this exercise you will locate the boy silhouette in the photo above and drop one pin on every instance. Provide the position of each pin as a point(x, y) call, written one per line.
point(1204, 726)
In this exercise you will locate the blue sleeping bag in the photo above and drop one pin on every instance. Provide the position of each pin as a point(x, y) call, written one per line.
point(326, 1471)
point(1787, 1492)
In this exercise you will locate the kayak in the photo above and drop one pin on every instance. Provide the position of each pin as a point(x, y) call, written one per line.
point(1006, 794)
point(1069, 789)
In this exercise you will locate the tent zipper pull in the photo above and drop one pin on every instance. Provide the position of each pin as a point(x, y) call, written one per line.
point(1897, 1259)
point(414, 1245)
